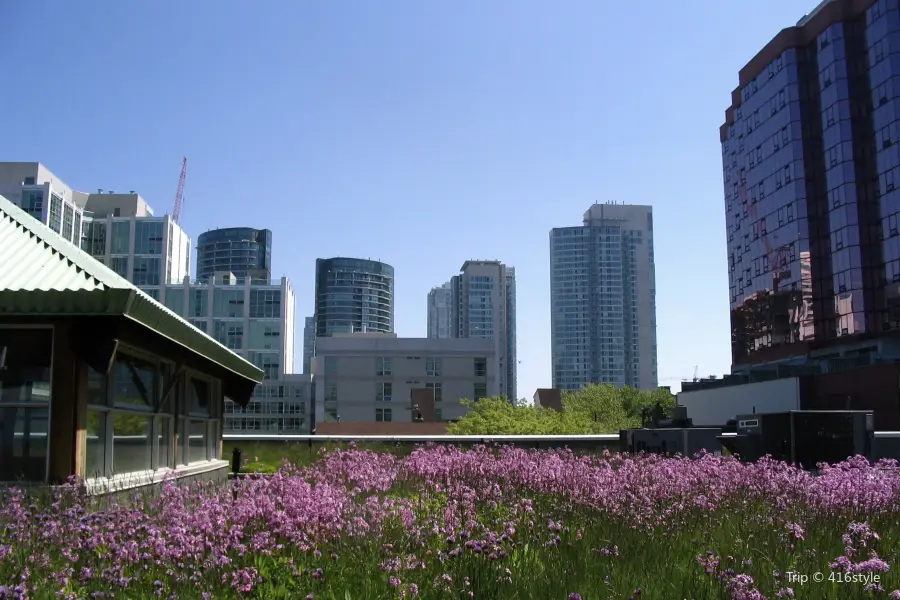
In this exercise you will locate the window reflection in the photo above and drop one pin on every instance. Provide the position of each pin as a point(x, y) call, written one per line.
point(131, 442)
point(25, 384)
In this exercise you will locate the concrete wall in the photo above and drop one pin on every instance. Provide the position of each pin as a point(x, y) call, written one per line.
point(129, 204)
point(713, 407)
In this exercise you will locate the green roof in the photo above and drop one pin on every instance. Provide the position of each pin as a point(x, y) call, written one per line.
point(45, 275)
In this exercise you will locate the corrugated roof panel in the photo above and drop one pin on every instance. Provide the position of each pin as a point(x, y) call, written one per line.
point(43, 274)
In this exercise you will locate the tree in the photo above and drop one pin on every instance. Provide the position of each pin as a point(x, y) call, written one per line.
point(594, 409)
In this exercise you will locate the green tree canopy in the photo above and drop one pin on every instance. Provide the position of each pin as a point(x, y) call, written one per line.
point(595, 409)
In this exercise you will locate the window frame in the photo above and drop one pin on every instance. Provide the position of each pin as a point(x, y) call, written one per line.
point(213, 420)
point(433, 366)
point(49, 403)
point(170, 418)
point(163, 371)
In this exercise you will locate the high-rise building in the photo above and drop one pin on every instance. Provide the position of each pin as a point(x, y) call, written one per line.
point(483, 305)
point(243, 251)
point(812, 190)
point(603, 299)
point(37, 191)
point(121, 232)
point(440, 313)
point(255, 320)
point(353, 296)
point(309, 342)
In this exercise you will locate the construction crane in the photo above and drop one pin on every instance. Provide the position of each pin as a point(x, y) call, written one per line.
point(179, 194)
point(695, 377)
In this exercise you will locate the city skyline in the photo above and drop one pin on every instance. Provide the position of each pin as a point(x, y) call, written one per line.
point(347, 153)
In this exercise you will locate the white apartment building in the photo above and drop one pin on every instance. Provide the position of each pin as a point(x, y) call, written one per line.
point(254, 320)
point(483, 305)
point(603, 299)
point(370, 377)
point(121, 231)
point(37, 191)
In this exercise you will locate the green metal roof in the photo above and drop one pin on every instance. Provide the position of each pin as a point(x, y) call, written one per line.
point(42, 274)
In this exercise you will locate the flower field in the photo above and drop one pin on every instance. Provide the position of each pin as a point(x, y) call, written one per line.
point(489, 523)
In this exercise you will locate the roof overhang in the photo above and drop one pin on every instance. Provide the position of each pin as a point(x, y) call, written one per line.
point(241, 376)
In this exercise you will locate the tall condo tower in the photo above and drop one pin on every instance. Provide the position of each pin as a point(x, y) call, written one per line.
point(483, 305)
point(603, 299)
point(353, 295)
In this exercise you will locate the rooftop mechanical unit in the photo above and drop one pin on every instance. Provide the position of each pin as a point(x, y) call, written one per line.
point(803, 437)
point(670, 436)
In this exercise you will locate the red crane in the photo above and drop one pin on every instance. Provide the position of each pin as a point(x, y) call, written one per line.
point(176, 212)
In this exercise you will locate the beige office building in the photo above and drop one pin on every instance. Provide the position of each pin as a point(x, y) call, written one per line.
point(373, 377)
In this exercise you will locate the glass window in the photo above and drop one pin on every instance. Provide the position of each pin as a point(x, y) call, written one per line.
point(68, 216)
point(175, 300)
point(55, 216)
point(197, 441)
point(480, 391)
point(198, 397)
point(25, 382)
point(131, 442)
point(121, 236)
point(147, 271)
point(134, 382)
point(228, 303)
point(164, 439)
point(265, 304)
point(148, 237)
point(385, 392)
point(438, 390)
point(128, 429)
point(383, 415)
point(384, 365)
point(96, 444)
point(480, 367)
point(433, 367)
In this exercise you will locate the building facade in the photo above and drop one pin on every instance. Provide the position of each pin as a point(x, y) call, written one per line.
point(37, 191)
point(243, 251)
point(374, 377)
point(811, 170)
point(148, 251)
point(280, 406)
point(603, 299)
point(309, 343)
point(353, 296)
point(483, 305)
point(252, 319)
point(98, 380)
point(256, 321)
point(440, 312)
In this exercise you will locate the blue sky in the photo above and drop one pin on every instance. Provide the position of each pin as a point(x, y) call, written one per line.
point(419, 133)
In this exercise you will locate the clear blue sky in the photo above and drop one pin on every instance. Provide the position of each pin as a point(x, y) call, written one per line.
point(420, 133)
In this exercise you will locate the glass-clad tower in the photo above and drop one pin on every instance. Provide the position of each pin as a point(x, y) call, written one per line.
point(811, 170)
point(353, 296)
point(242, 251)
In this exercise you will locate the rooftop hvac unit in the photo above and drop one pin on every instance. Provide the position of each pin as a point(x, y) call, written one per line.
point(803, 437)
